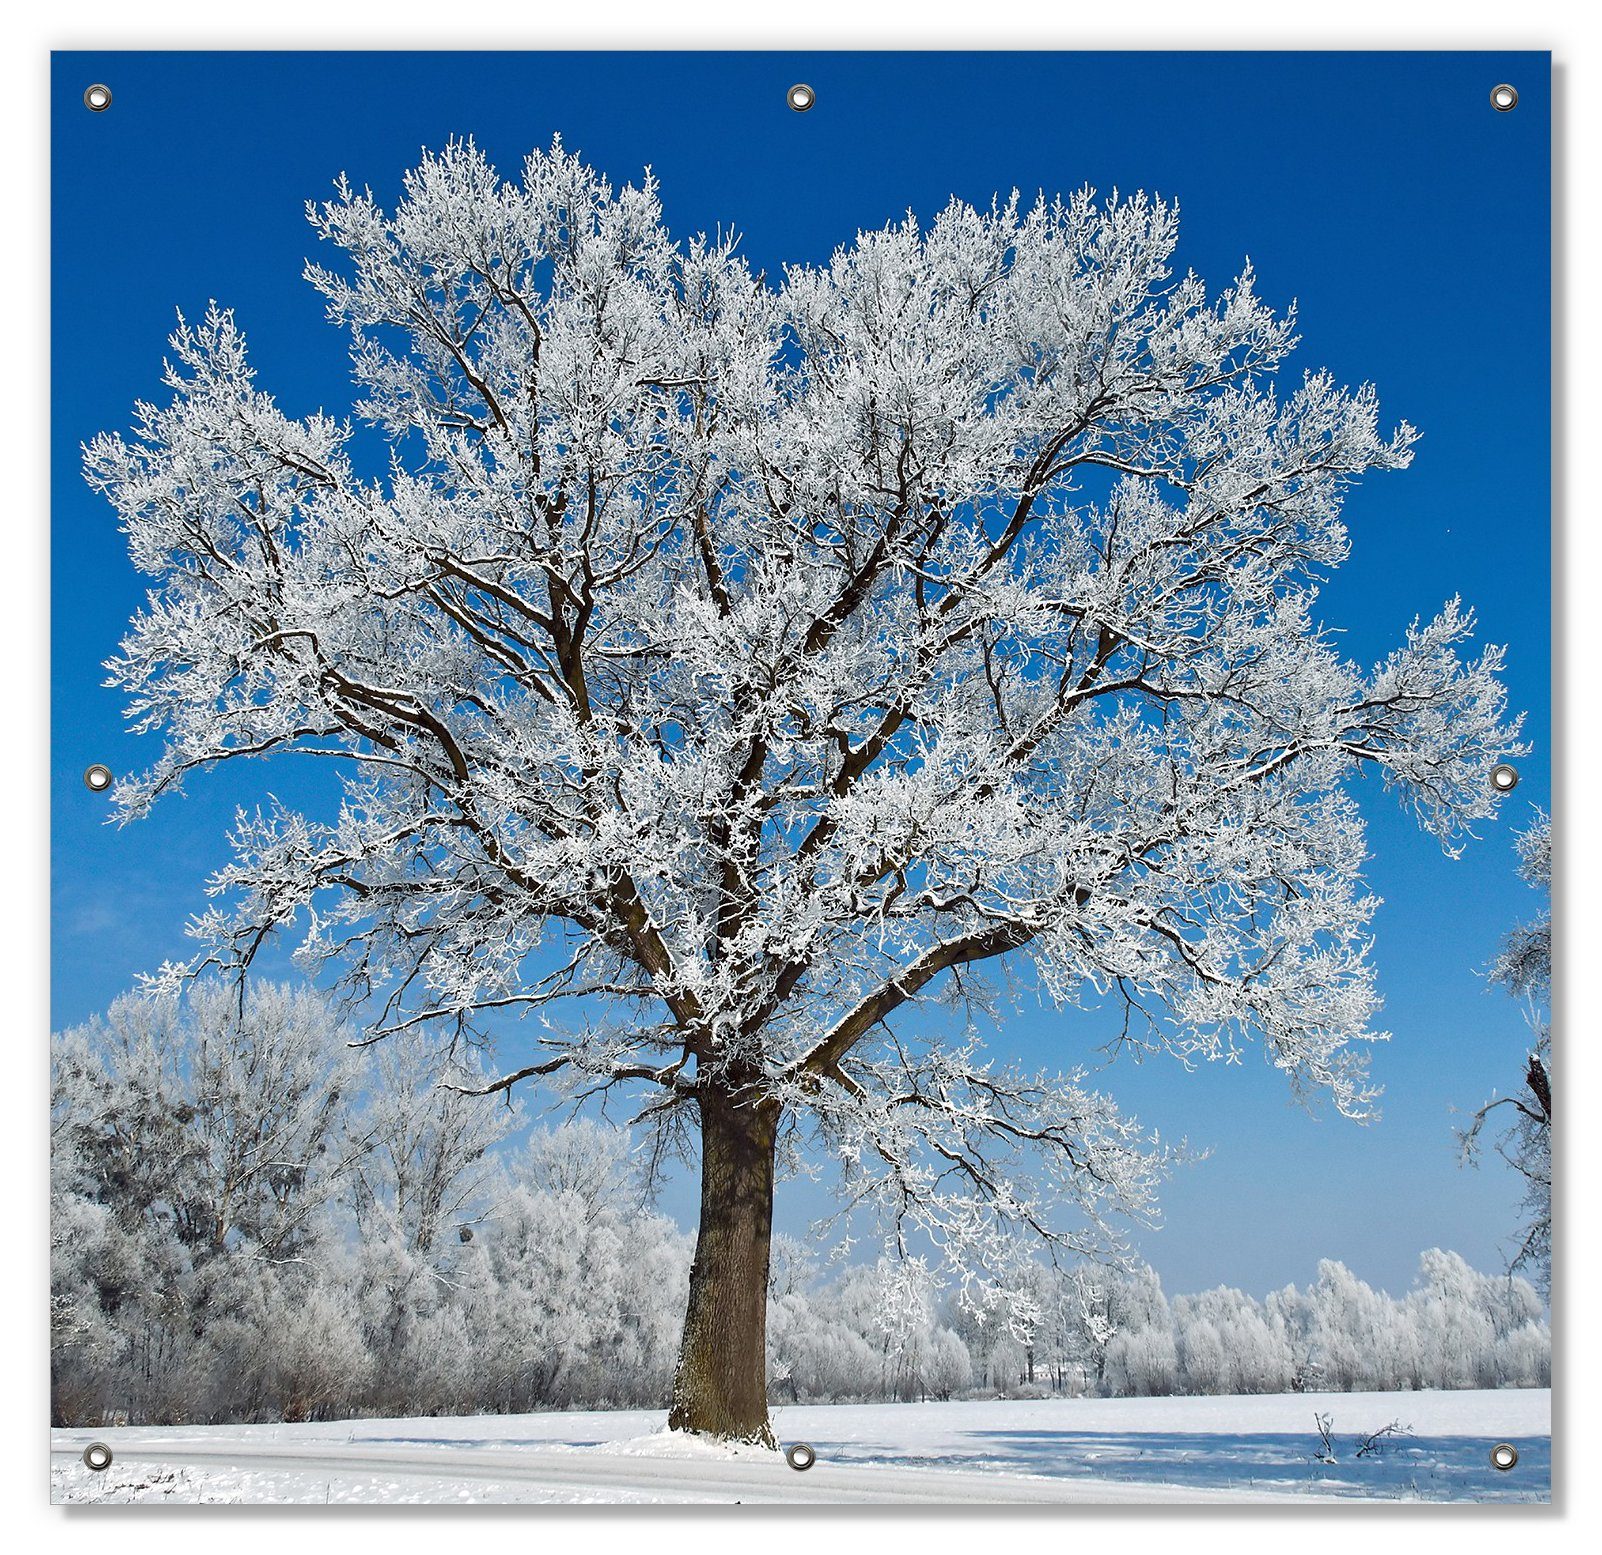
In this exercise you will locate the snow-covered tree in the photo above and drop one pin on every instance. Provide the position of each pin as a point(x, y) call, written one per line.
point(1228, 1345)
point(1456, 1335)
point(1204, 1362)
point(792, 1266)
point(814, 1352)
point(1067, 1339)
point(278, 1342)
point(421, 1145)
point(735, 660)
point(584, 1158)
point(1142, 1355)
point(1524, 967)
point(214, 1111)
point(571, 1293)
point(198, 1141)
point(946, 1368)
point(1142, 1362)
point(1346, 1319)
point(1524, 1357)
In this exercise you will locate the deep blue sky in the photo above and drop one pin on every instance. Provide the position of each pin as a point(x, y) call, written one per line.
point(1407, 217)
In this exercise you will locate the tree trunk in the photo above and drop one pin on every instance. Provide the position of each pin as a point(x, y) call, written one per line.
point(721, 1384)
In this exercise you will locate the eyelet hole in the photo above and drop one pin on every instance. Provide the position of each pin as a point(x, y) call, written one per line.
point(97, 1456)
point(1504, 777)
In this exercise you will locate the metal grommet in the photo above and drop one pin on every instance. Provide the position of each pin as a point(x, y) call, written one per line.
point(1504, 778)
point(1504, 1455)
point(97, 98)
point(97, 1456)
point(1504, 98)
point(97, 778)
point(800, 97)
point(800, 1456)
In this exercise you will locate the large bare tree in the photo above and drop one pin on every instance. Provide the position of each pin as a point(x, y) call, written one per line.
point(733, 661)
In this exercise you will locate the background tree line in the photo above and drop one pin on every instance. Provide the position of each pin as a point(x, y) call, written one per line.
point(243, 1230)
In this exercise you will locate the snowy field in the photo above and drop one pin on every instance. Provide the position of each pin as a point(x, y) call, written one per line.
point(1060, 1450)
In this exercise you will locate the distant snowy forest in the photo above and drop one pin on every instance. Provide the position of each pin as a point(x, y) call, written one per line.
point(251, 1221)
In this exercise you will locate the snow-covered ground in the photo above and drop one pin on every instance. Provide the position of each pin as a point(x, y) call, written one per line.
point(1058, 1450)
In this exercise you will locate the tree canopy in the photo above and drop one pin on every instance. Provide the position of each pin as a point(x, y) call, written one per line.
point(723, 661)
